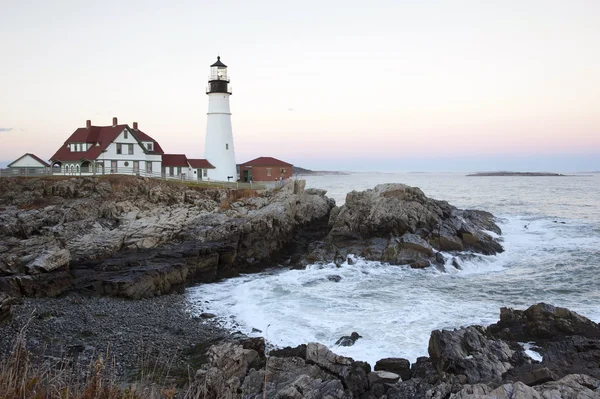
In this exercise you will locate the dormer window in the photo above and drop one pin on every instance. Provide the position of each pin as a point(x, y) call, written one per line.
point(149, 146)
point(125, 134)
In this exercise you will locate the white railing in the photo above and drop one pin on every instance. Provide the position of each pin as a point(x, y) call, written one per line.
point(183, 177)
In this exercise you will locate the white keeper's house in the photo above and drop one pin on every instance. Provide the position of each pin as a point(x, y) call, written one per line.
point(108, 149)
point(120, 149)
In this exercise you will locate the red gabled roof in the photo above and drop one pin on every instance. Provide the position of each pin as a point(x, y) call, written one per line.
point(200, 164)
point(266, 161)
point(103, 135)
point(174, 160)
point(141, 136)
point(32, 156)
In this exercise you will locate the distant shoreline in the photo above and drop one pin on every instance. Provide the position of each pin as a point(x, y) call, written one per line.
point(526, 174)
point(307, 172)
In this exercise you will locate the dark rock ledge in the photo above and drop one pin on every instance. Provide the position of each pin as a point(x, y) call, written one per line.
point(137, 238)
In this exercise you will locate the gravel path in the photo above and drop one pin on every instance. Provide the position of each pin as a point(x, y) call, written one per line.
point(156, 334)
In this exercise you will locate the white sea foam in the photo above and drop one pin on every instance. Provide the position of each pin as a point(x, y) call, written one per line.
point(528, 346)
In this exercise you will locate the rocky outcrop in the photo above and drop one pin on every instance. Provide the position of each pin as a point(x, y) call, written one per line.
point(568, 342)
point(137, 237)
point(470, 362)
point(398, 224)
point(469, 352)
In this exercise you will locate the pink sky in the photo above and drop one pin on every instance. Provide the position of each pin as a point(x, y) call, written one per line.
point(314, 82)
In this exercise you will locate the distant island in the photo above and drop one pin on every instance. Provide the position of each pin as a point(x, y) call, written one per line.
point(301, 171)
point(530, 174)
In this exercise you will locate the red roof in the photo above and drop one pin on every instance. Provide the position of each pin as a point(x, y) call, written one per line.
point(141, 136)
point(32, 156)
point(200, 164)
point(174, 160)
point(265, 161)
point(103, 135)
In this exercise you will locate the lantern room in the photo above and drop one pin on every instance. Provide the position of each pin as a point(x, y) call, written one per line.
point(218, 71)
point(218, 81)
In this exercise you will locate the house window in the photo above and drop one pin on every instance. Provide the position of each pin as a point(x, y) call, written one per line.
point(226, 146)
point(113, 167)
point(268, 171)
point(204, 172)
point(130, 149)
point(149, 146)
point(282, 170)
point(149, 167)
point(119, 149)
point(125, 134)
point(170, 171)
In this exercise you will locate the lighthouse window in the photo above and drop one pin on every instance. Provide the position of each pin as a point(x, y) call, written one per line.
point(226, 146)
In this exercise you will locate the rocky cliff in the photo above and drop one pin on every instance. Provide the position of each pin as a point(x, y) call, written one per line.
point(135, 237)
point(398, 224)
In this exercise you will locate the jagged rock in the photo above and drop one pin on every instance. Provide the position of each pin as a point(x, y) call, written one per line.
point(469, 352)
point(348, 340)
point(542, 322)
point(335, 278)
point(352, 374)
point(398, 224)
point(396, 365)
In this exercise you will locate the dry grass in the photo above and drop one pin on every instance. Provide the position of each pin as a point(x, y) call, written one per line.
point(23, 376)
point(237, 195)
point(36, 203)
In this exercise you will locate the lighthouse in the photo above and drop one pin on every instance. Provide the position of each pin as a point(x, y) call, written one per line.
point(218, 146)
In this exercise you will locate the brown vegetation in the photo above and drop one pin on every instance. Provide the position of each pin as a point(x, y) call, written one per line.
point(24, 376)
point(237, 195)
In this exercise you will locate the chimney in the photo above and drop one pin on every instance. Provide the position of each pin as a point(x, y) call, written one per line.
point(135, 126)
point(114, 121)
point(88, 124)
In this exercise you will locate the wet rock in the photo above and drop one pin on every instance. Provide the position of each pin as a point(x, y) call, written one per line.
point(335, 278)
point(396, 365)
point(352, 374)
point(207, 315)
point(348, 340)
point(469, 352)
point(542, 322)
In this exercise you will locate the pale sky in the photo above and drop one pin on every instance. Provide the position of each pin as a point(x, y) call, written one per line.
point(455, 85)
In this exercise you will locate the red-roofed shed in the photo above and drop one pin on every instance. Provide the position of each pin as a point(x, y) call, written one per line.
point(265, 169)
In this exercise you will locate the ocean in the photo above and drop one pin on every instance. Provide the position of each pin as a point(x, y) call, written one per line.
point(551, 236)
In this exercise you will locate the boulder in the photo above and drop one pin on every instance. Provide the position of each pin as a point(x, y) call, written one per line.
point(542, 322)
point(396, 365)
point(348, 340)
point(352, 374)
point(469, 352)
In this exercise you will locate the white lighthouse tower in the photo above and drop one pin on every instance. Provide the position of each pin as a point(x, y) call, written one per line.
point(218, 147)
